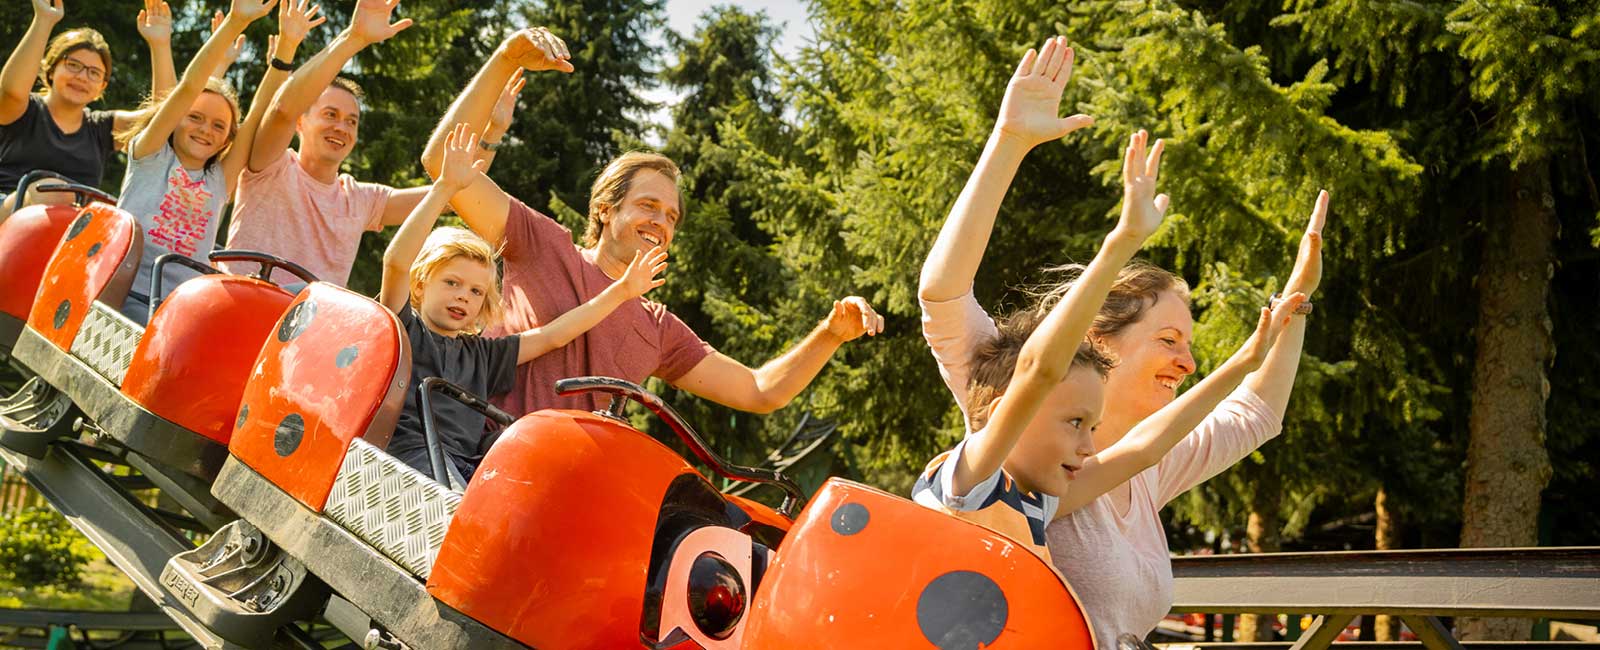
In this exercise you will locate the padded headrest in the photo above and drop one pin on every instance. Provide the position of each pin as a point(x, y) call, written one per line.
point(27, 240)
point(335, 368)
point(96, 260)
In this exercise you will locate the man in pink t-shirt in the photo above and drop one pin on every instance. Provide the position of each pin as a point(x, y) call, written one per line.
point(296, 204)
point(633, 207)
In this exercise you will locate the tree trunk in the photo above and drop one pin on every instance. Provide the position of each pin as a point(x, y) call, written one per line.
point(1262, 535)
point(1507, 465)
point(1387, 537)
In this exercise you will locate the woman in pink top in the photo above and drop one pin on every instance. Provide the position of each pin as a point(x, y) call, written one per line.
point(1112, 551)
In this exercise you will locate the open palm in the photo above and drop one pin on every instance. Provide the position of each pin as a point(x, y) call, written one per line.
point(50, 11)
point(1307, 274)
point(251, 9)
point(1031, 110)
point(155, 21)
point(296, 19)
point(1142, 208)
point(370, 24)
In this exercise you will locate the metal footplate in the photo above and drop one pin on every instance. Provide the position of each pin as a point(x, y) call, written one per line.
point(386, 592)
point(242, 586)
point(33, 416)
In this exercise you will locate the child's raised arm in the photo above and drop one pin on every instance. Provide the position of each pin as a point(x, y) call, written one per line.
point(176, 105)
point(1029, 116)
point(22, 67)
point(639, 279)
point(1153, 437)
point(232, 55)
point(1047, 355)
point(155, 26)
point(459, 170)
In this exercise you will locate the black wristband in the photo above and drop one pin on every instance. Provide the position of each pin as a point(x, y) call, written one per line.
point(280, 64)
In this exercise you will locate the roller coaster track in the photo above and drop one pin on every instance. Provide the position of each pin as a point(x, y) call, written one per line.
point(1417, 586)
point(136, 538)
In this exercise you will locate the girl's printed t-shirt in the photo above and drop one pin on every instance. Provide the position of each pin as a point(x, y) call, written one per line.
point(179, 211)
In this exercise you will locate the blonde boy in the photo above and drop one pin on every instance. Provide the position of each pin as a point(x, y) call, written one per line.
point(444, 289)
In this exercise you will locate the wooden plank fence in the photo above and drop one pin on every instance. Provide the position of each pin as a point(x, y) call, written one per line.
point(15, 493)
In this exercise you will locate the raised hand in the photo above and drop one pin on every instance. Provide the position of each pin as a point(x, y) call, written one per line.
point(853, 317)
point(49, 12)
point(155, 22)
point(370, 23)
point(640, 277)
point(238, 43)
point(537, 49)
point(248, 10)
point(1307, 275)
point(505, 108)
point(1272, 323)
point(1031, 110)
point(459, 167)
point(1142, 208)
point(296, 19)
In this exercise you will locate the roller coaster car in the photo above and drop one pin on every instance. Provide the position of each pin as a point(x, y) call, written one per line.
point(862, 568)
point(27, 238)
point(168, 391)
point(579, 531)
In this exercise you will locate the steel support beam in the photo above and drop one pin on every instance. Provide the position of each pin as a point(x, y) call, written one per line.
point(1516, 582)
point(133, 538)
point(86, 620)
point(1323, 632)
point(1432, 633)
point(191, 493)
point(137, 539)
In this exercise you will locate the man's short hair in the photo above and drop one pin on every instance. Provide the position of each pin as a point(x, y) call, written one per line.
point(350, 86)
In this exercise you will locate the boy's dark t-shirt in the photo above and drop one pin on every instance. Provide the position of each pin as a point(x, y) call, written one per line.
point(484, 366)
point(35, 142)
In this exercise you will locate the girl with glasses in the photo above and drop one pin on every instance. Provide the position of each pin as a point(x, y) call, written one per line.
point(54, 129)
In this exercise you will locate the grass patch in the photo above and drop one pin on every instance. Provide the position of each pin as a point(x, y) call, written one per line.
point(103, 588)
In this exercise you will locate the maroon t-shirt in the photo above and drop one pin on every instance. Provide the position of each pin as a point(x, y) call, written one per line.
point(546, 275)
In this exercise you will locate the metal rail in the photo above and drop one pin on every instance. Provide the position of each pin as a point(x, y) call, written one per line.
point(86, 620)
point(1388, 645)
point(139, 630)
point(1416, 586)
point(133, 538)
point(136, 538)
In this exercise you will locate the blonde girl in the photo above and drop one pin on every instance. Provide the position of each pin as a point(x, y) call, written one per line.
point(185, 150)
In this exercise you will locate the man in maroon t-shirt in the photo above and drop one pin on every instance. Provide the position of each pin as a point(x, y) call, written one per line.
point(633, 207)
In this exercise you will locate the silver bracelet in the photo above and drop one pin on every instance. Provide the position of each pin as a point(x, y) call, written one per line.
point(1304, 308)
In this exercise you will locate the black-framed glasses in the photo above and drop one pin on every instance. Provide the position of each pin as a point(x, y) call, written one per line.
point(92, 73)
